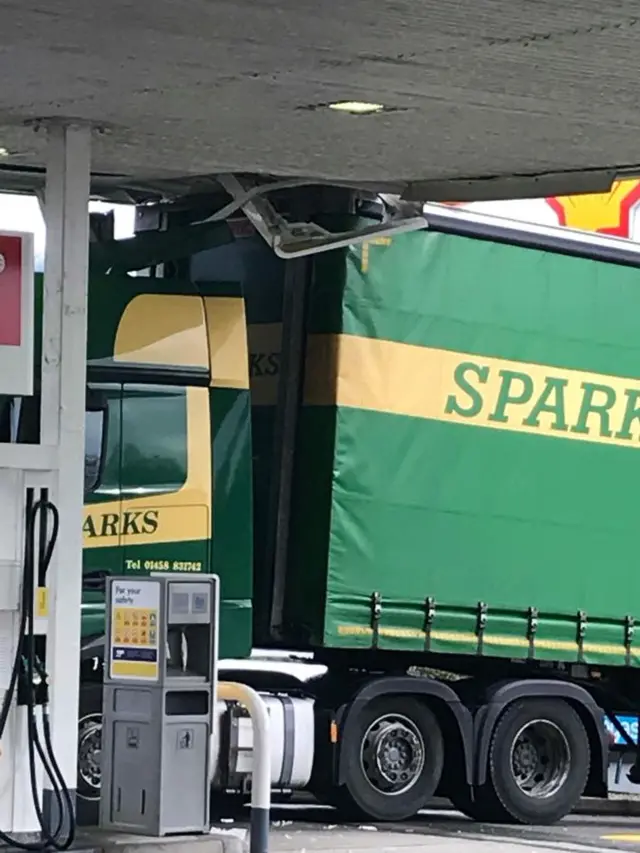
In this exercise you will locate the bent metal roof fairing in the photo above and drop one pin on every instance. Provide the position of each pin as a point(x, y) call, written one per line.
point(473, 99)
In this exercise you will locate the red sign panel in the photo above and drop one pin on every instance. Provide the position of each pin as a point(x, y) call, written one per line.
point(10, 290)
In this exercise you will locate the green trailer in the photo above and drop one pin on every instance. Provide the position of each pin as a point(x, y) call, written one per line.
point(466, 472)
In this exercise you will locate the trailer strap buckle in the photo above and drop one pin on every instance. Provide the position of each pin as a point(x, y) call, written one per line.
point(532, 629)
point(429, 616)
point(629, 631)
point(481, 623)
point(580, 634)
point(376, 614)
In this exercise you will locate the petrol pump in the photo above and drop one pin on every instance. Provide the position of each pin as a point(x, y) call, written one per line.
point(36, 806)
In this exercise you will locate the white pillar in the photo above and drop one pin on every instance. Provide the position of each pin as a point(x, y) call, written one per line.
point(62, 419)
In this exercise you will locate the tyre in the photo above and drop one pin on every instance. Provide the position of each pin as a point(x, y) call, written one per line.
point(538, 761)
point(484, 807)
point(393, 764)
point(89, 752)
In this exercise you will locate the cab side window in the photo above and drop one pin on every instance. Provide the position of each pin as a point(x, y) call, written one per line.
point(94, 434)
point(102, 430)
point(154, 439)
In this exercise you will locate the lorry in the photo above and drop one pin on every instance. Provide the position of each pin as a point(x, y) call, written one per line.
point(410, 461)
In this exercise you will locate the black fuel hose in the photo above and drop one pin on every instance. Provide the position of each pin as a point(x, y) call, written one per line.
point(28, 667)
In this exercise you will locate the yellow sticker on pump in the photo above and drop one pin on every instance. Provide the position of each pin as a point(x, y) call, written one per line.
point(42, 602)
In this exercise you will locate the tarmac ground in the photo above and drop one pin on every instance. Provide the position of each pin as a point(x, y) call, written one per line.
point(305, 827)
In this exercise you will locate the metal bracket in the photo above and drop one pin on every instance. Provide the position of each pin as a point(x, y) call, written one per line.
point(429, 616)
point(376, 613)
point(580, 633)
point(532, 630)
point(629, 631)
point(481, 623)
point(299, 239)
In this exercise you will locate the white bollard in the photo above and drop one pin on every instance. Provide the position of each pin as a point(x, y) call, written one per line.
point(261, 774)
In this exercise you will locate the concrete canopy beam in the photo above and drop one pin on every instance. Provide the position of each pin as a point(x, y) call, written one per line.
point(467, 89)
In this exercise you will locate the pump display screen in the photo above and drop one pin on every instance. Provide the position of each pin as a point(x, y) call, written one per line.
point(189, 603)
point(179, 603)
point(10, 290)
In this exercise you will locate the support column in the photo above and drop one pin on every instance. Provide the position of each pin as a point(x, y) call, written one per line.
point(62, 422)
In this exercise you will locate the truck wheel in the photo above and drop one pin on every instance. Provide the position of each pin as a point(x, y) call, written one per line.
point(89, 742)
point(394, 763)
point(483, 808)
point(539, 761)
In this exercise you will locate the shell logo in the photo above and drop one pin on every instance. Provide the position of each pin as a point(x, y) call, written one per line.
point(605, 213)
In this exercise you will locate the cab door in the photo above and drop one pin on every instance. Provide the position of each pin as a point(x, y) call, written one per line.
point(166, 477)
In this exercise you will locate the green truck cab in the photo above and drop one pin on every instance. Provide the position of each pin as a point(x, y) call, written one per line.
point(168, 416)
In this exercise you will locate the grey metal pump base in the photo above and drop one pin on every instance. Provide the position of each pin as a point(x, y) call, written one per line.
point(99, 841)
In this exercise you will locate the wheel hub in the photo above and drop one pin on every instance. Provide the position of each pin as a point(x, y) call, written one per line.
point(540, 758)
point(525, 757)
point(393, 754)
point(89, 752)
